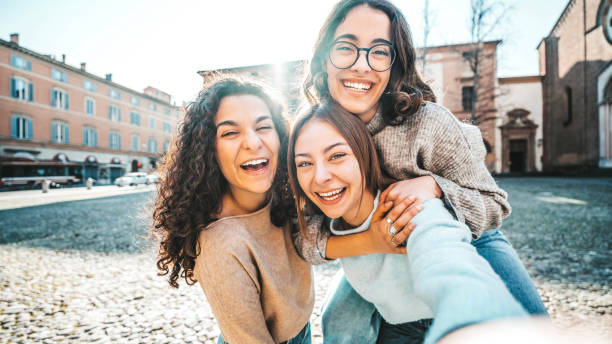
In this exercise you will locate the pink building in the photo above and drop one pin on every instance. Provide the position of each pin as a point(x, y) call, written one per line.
point(49, 109)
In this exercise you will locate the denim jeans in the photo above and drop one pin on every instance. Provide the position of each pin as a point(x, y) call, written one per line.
point(301, 338)
point(348, 318)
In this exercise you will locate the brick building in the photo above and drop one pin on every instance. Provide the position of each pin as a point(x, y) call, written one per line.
point(574, 62)
point(51, 110)
point(446, 71)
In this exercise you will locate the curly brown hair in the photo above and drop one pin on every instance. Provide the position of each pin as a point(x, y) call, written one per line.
point(405, 91)
point(192, 184)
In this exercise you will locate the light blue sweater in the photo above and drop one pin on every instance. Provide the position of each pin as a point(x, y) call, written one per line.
point(441, 277)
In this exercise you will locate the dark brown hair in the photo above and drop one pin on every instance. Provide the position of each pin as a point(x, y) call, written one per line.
point(192, 184)
point(357, 137)
point(404, 93)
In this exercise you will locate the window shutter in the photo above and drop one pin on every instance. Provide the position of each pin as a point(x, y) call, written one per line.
point(54, 132)
point(13, 90)
point(13, 60)
point(95, 138)
point(29, 66)
point(30, 129)
point(119, 114)
point(110, 112)
point(53, 97)
point(65, 77)
point(66, 101)
point(66, 133)
point(14, 121)
point(118, 141)
point(30, 92)
point(85, 137)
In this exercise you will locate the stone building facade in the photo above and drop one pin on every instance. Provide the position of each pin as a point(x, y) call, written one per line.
point(49, 109)
point(574, 62)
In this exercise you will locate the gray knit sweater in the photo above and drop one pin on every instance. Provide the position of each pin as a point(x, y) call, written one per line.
point(431, 142)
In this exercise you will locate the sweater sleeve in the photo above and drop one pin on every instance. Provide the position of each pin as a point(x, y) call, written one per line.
point(312, 249)
point(233, 293)
point(459, 285)
point(455, 158)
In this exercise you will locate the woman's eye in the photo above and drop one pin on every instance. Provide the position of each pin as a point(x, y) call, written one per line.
point(265, 127)
point(337, 156)
point(303, 164)
point(229, 133)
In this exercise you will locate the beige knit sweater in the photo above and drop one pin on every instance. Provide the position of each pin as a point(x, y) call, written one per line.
point(431, 142)
point(258, 287)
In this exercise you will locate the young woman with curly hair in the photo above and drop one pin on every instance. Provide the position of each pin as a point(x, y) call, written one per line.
point(222, 214)
point(364, 60)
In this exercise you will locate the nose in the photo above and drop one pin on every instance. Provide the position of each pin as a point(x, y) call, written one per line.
point(251, 141)
point(361, 65)
point(322, 174)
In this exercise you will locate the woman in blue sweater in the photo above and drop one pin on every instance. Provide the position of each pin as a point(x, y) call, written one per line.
point(334, 169)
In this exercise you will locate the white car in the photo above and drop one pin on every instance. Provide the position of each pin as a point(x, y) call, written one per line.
point(153, 178)
point(133, 178)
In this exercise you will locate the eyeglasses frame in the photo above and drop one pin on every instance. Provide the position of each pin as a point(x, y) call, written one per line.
point(367, 56)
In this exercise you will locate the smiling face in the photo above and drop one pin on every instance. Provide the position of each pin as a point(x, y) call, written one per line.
point(358, 89)
point(247, 144)
point(328, 172)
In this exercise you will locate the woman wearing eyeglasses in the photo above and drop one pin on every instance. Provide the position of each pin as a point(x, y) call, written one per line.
point(364, 60)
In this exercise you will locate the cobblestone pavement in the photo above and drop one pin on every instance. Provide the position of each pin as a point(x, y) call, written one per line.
point(85, 271)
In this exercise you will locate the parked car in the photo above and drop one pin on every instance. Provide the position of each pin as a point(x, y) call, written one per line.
point(133, 178)
point(153, 178)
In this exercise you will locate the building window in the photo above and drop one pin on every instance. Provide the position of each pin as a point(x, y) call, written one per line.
point(22, 89)
point(59, 132)
point(135, 142)
point(114, 113)
point(135, 118)
point(467, 92)
point(21, 128)
point(151, 122)
point(114, 140)
point(167, 127)
point(90, 137)
point(152, 106)
point(135, 101)
point(59, 75)
point(115, 94)
point(568, 102)
point(89, 86)
point(152, 146)
point(166, 146)
point(21, 63)
point(59, 98)
point(90, 106)
point(167, 111)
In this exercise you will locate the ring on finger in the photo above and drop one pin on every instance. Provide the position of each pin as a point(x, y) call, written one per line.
point(392, 230)
point(393, 241)
point(388, 220)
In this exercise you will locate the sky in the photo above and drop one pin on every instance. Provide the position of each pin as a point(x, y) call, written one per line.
point(164, 43)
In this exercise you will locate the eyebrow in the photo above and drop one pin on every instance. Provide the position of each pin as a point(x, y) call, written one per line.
point(234, 123)
point(327, 149)
point(354, 38)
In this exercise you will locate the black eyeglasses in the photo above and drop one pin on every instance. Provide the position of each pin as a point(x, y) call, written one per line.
point(344, 55)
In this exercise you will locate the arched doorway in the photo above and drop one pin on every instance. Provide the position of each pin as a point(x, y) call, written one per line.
point(605, 117)
point(518, 142)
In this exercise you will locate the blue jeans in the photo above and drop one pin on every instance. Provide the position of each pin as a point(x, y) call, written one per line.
point(348, 318)
point(301, 338)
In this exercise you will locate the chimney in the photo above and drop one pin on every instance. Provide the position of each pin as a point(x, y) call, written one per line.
point(15, 38)
point(109, 77)
point(83, 66)
point(63, 58)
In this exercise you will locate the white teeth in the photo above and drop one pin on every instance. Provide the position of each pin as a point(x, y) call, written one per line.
point(332, 195)
point(254, 162)
point(358, 85)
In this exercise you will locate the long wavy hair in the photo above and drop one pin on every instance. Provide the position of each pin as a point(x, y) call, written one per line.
point(406, 90)
point(358, 139)
point(192, 184)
